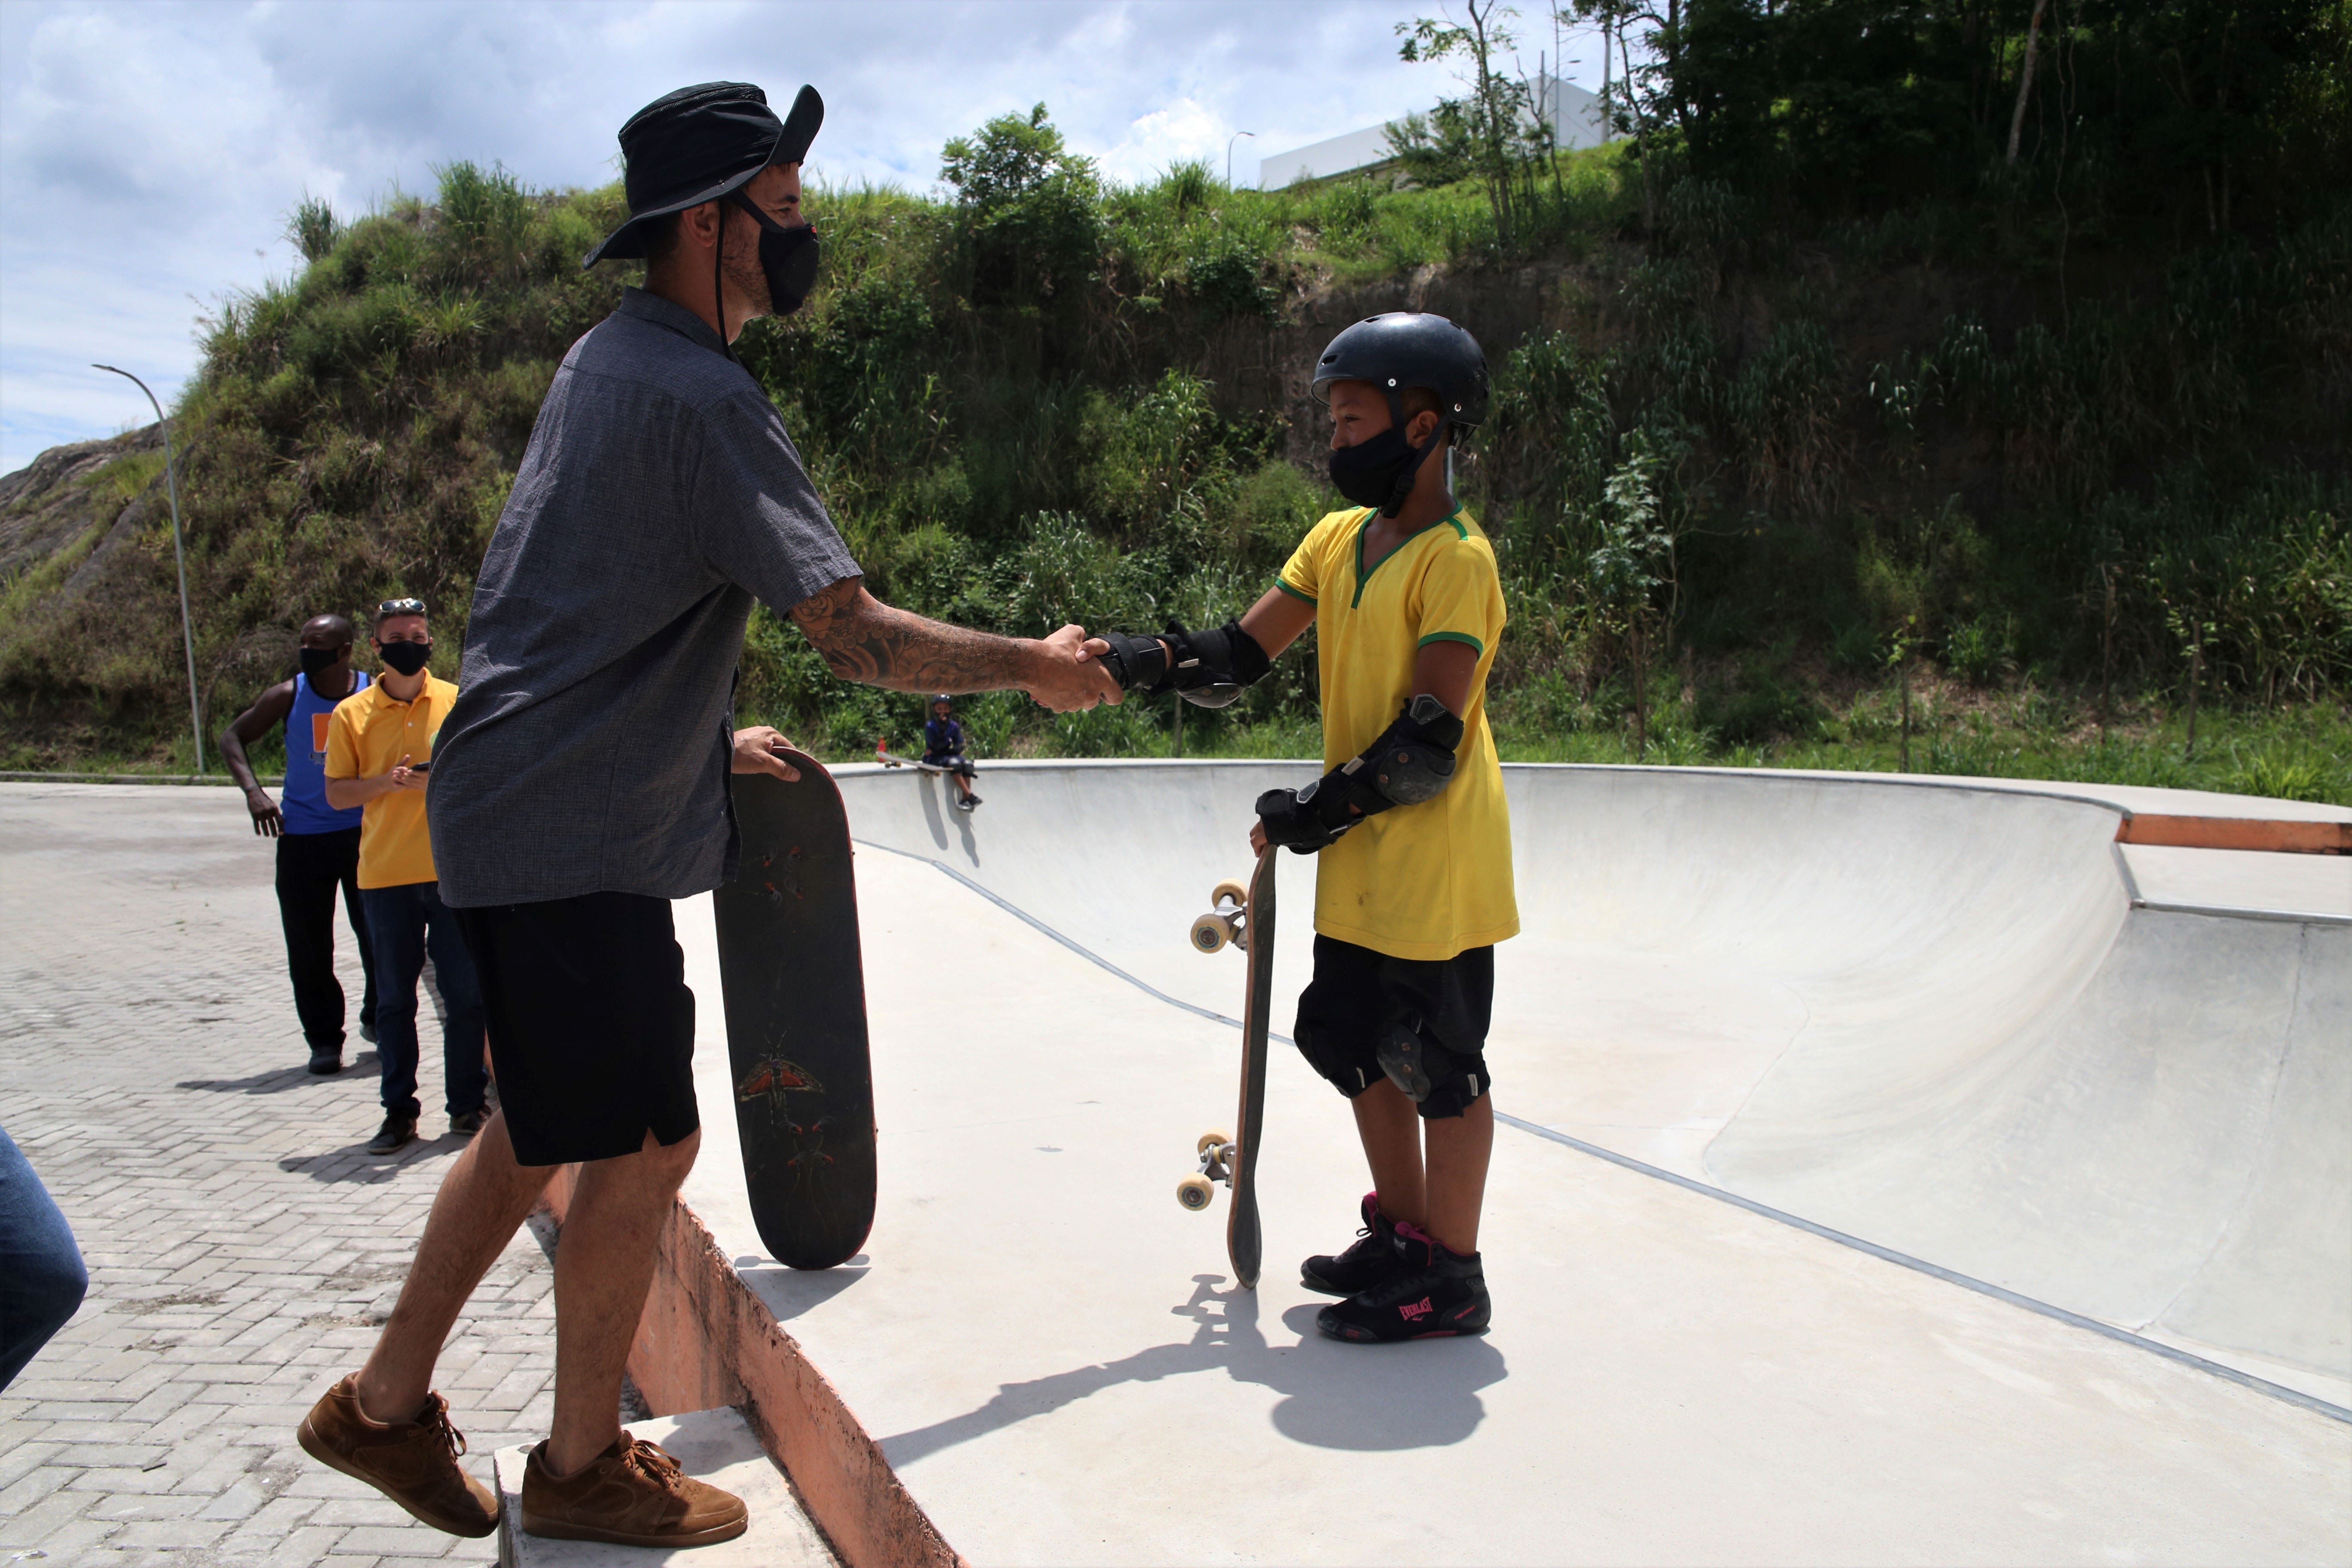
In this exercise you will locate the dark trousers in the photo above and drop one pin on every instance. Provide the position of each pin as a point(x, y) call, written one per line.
point(41, 1275)
point(310, 868)
point(407, 923)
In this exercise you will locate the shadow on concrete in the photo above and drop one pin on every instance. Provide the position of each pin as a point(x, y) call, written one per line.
point(354, 1164)
point(789, 1292)
point(1359, 1397)
point(278, 1082)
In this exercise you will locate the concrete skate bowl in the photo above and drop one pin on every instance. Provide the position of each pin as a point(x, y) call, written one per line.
point(1931, 1016)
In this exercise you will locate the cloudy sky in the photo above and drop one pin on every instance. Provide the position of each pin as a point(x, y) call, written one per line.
point(149, 151)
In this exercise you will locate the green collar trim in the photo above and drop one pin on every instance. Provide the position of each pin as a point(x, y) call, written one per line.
point(1364, 573)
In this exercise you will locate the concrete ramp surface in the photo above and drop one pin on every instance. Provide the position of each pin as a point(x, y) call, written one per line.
point(1923, 1013)
point(1896, 1172)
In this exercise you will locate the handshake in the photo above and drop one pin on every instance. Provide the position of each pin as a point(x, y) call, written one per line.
point(1208, 668)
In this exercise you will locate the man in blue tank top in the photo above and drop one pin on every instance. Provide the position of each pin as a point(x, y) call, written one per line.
point(317, 846)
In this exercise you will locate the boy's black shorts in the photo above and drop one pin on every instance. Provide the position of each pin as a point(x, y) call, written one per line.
point(1359, 995)
point(591, 1023)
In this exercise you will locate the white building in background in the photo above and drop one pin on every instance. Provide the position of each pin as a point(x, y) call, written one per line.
point(1574, 113)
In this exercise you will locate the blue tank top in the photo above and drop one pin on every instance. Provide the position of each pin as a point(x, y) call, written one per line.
point(304, 798)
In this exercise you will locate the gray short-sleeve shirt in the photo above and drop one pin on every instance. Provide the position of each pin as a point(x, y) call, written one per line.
point(588, 750)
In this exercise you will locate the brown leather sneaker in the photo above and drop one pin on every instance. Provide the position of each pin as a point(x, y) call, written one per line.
point(414, 1463)
point(633, 1494)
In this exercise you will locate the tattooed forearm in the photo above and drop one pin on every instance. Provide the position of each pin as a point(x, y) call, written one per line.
point(864, 639)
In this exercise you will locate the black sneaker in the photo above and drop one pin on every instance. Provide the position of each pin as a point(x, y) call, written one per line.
point(1372, 1260)
point(396, 1133)
point(467, 1123)
point(326, 1063)
point(1440, 1293)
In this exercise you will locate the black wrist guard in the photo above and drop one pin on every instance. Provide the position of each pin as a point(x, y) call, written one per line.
point(1207, 667)
point(1305, 820)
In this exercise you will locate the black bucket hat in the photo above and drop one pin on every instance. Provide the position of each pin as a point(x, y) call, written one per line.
point(696, 146)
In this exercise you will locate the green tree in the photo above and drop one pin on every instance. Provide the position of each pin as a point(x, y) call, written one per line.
point(1030, 209)
point(1496, 127)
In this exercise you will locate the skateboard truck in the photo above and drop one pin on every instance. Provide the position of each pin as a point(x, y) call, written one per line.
point(1226, 921)
point(1216, 1151)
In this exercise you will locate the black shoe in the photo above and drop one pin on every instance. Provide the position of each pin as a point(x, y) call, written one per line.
point(1440, 1293)
point(1372, 1260)
point(467, 1123)
point(367, 1033)
point(396, 1133)
point(325, 1063)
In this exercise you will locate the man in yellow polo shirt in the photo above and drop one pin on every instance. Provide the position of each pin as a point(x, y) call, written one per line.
point(1413, 887)
point(380, 757)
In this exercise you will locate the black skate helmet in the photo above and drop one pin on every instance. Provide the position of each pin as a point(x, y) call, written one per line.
point(1402, 349)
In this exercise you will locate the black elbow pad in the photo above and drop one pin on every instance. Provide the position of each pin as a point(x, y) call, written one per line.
point(1413, 760)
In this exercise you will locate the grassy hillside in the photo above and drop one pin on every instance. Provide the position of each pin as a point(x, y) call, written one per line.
point(1766, 454)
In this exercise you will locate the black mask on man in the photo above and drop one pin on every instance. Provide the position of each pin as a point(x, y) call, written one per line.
point(788, 257)
point(405, 658)
point(317, 661)
point(1379, 471)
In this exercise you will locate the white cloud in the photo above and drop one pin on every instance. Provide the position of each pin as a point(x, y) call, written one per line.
point(150, 151)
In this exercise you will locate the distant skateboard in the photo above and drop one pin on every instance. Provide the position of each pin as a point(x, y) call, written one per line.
point(795, 990)
point(1244, 917)
point(891, 760)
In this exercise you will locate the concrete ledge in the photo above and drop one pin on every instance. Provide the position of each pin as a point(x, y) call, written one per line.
point(714, 1446)
point(707, 1341)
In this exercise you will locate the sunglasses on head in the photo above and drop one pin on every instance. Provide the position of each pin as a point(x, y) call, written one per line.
point(401, 607)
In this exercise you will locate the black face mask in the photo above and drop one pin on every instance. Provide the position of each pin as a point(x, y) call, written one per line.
point(405, 658)
point(317, 661)
point(1379, 471)
point(788, 257)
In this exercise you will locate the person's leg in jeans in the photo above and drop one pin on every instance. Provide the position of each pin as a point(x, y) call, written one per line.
point(42, 1279)
point(464, 1078)
point(395, 917)
point(356, 910)
point(309, 868)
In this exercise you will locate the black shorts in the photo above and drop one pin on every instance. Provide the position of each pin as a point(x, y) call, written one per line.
point(1358, 996)
point(591, 1023)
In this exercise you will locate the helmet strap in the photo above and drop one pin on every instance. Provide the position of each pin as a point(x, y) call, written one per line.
point(1412, 471)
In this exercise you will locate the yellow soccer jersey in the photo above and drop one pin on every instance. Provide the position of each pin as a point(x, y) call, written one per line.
point(1417, 881)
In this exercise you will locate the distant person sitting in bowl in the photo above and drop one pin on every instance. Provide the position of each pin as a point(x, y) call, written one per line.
point(943, 746)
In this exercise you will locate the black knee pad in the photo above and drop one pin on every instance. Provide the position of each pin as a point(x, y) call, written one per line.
point(1440, 1082)
point(1343, 1057)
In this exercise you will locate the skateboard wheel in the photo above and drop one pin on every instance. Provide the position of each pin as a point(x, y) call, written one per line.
point(1195, 1193)
point(1210, 1140)
point(1212, 932)
point(1229, 893)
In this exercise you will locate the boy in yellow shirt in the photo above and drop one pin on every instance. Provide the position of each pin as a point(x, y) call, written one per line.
point(1414, 889)
point(380, 757)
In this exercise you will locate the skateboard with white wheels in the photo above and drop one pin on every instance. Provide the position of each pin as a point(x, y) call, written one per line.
point(1240, 917)
point(794, 985)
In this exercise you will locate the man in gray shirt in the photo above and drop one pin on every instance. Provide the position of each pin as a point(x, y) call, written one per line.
point(580, 783)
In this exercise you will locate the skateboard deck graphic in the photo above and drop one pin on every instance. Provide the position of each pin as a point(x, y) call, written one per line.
point(1244, 917)
point(795, 988)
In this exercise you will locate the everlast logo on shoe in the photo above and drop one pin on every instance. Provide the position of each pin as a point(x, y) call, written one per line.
point(1416, 1311)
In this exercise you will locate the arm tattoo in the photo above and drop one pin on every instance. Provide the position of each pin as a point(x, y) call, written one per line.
point(865, 641)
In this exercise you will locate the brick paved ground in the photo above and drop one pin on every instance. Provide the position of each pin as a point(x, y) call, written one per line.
point(241, 1242)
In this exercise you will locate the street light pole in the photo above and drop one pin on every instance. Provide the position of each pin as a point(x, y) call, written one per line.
point(179, 557)
point(1229, 153)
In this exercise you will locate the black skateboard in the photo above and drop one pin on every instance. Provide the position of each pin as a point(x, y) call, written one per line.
point(1244, 917)
point(795, 989)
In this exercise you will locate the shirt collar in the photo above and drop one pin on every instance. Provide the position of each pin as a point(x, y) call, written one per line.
point(663, 312)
